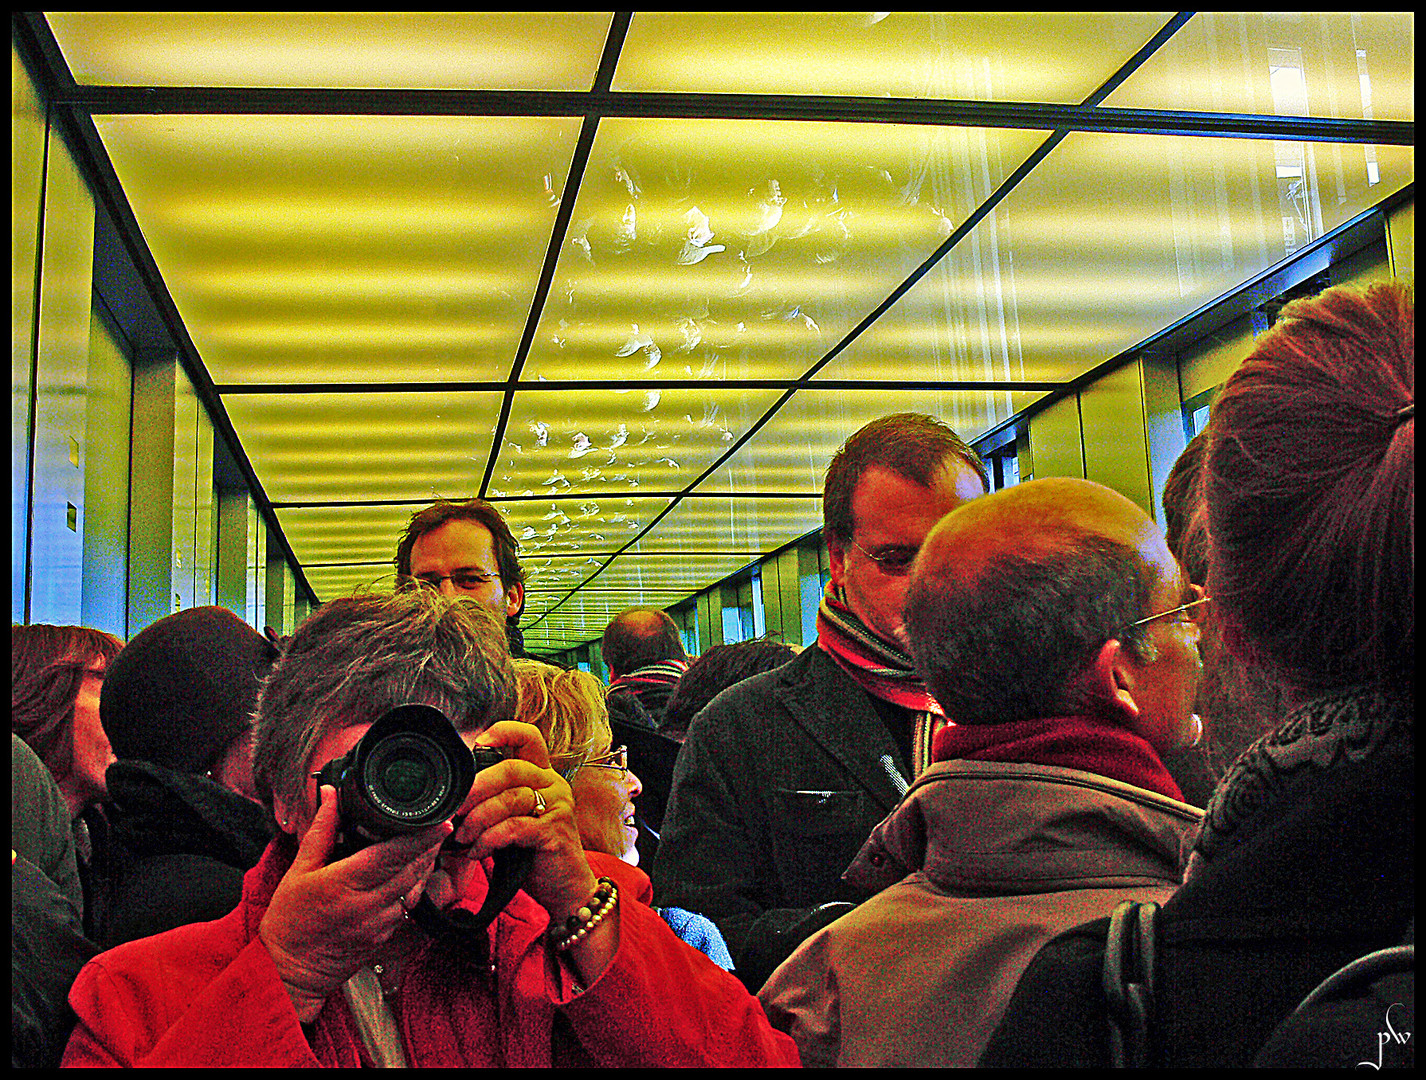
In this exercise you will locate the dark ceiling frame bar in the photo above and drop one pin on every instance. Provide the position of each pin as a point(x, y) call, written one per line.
point(579, 496)
point(608, 61)
point(563, 555)
point(545, 386)
point(950, 112)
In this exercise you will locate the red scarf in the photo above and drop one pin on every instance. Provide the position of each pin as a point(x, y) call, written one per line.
point(1073, 742)
point(878, 666)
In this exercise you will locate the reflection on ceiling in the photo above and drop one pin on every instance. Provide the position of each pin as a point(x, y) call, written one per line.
point(635, 278)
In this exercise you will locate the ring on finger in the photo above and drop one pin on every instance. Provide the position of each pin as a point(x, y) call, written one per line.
point(539, 807)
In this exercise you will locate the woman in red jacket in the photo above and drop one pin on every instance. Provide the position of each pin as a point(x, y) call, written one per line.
point(323, 963)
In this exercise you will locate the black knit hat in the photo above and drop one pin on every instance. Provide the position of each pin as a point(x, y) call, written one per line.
point(184, 688)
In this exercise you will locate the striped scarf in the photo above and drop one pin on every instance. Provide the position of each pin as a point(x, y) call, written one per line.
point(662, 675)
point(880, 668)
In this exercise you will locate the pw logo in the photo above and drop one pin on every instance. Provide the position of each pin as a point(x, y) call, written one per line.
point(1389, 1037)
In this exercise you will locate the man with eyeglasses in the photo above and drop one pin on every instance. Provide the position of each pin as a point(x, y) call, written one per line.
point(1054, 626)
point(466, 549)
point(783, 776)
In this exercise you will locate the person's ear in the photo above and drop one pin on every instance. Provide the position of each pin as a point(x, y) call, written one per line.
point(514, 599)
point(285, 813)
point(837, 562)
point(1112, 679)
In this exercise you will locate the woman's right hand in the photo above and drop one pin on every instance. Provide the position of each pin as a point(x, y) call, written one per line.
point(325, 921)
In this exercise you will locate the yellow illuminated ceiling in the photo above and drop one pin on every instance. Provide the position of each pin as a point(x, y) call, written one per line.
point(635, 278)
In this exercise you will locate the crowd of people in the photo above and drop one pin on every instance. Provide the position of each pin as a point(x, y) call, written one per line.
point(1054, 786)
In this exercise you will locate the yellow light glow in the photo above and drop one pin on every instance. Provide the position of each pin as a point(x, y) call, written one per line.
point(1027, 56)
point(1330, 51)
point(407, 49)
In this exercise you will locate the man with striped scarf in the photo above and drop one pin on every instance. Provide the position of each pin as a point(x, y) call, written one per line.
point(644, 651)
point(783, 777)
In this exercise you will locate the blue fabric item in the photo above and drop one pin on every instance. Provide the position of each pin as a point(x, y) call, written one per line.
point(700, 932)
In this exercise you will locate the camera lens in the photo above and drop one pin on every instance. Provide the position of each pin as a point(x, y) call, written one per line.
point(408, 779)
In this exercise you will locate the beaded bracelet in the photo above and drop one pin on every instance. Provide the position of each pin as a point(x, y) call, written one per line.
point(606, 895)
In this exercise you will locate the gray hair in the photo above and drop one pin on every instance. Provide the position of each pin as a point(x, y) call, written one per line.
point(359, 656)
point(1013, 643)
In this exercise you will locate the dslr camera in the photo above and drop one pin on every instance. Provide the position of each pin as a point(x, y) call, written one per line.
point(410, 770)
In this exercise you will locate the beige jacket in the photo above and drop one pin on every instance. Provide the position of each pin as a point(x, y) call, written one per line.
point(980, 865)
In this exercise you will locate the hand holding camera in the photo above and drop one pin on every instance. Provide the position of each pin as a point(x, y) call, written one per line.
point(410, 809)
point(500, 814)
point(327, 919)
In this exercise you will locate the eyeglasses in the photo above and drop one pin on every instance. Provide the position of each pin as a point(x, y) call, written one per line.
point(618, 758)
point(895, 561)
point(464, 580)
point(1170, 611)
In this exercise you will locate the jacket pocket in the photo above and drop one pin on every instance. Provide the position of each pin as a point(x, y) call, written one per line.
point(815, 835)
point(817, 813)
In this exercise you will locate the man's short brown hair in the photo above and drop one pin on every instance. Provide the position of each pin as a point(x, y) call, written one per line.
point(912, 445)
point(431, 518)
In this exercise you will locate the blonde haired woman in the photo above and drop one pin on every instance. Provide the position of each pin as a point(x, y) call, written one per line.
point(569, 709)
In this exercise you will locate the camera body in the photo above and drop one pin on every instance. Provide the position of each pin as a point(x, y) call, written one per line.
point(410, 770)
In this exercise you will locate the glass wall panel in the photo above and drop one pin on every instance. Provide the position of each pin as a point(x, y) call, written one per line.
point(62, 372)
point(27, 156)
point(108, 402)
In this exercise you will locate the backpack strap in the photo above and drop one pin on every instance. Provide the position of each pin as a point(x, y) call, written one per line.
point(1129, 981)
point(1351, 978)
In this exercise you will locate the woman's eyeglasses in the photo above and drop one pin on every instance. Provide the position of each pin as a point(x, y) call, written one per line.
point(618, 758)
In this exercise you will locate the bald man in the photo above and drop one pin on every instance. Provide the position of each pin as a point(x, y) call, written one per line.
point(1055, 628)
point(644, 651)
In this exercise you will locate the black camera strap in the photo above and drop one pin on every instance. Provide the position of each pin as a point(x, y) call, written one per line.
point(468, 929)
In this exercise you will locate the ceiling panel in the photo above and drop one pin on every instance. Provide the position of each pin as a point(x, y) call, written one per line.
point(344, 534)
point(589, 525)
point(1353, 64)
point(668, 571)
point(791, 452)
point(551, 573)
point(330, 582)
point(1057, 56)
point(414, 50)
point(740, 524)
point(346, 248)
point(743, 249)
point(619, 442)
point(1111, 239)
point(377, 446)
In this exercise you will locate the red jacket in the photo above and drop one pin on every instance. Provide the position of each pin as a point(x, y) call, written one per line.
point(208, 995)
